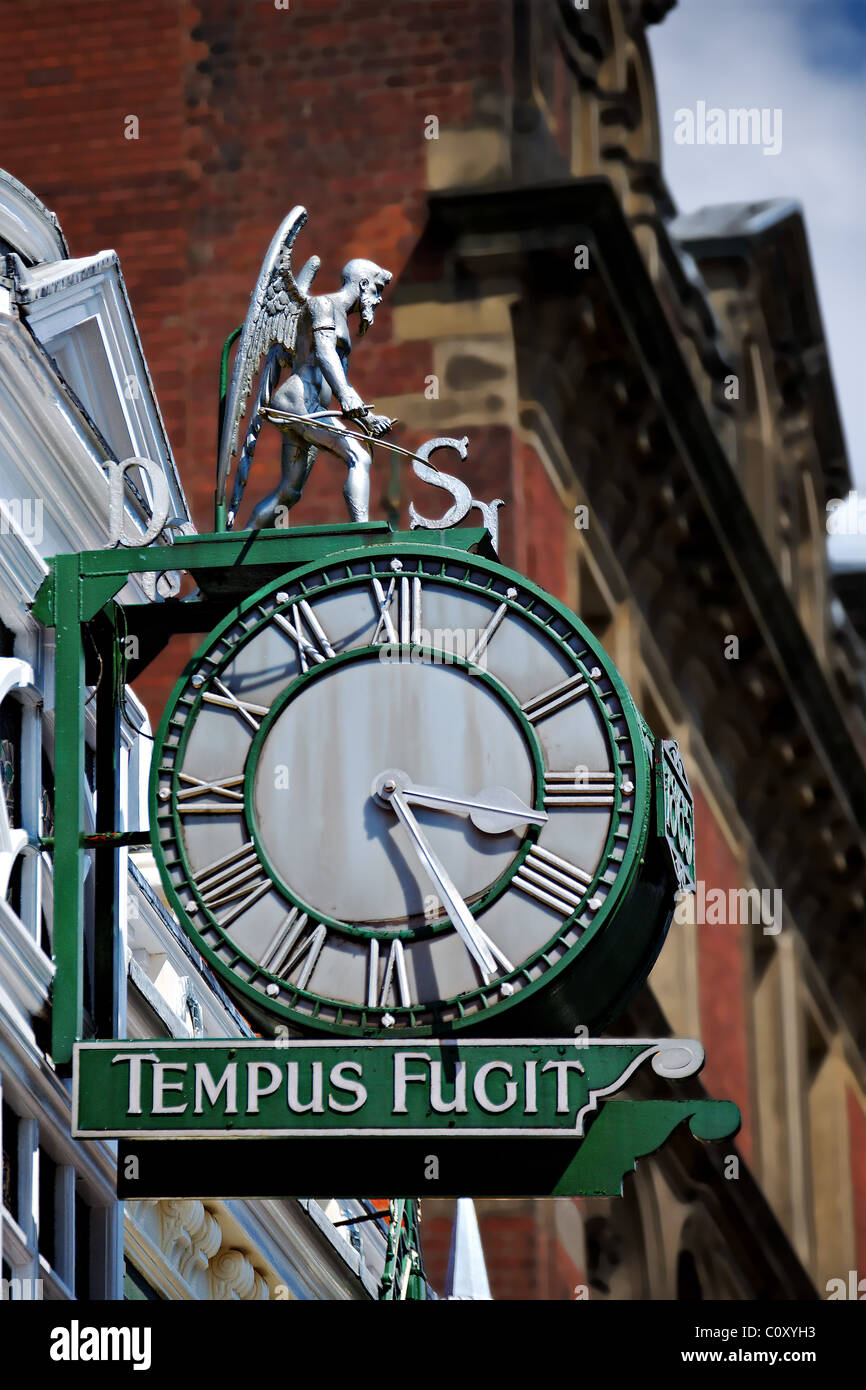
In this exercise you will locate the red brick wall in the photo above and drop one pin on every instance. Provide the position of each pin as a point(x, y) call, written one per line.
point(542, 525)
point(244, 110)
point(722, 979)
point(436, 1229)
point(523, 1255)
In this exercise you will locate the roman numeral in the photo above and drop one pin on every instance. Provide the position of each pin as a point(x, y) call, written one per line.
point(407, 591)
point(307, 951)
point(280, 946)
point(222, 696)
point(231, 803)
point(493, 949)
point(540, 706)
point(313, 646)
point(592, 789)
point(486, 633)
point(385, 623)
point(394, 979)
point(289, 948)
point(551, 880)
point(236, 878)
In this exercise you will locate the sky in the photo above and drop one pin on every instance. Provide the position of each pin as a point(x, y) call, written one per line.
point(808, 59)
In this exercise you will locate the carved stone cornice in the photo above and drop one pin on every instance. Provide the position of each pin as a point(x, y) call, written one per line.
point(233, 1276)
point(185, 1250)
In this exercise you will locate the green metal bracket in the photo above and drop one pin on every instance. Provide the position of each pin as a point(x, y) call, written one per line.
point(81, 588)
point(231, 563)
point(109, 839)
point(403, 1275)
point(68, 999)
point(219, 522)
point(626, 1130)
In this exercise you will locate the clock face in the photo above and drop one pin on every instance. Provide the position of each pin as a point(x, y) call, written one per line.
point(402, 790)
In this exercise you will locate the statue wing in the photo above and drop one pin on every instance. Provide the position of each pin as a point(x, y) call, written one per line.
point(272, 319)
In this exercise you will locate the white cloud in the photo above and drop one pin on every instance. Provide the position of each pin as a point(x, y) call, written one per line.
point(802, 58)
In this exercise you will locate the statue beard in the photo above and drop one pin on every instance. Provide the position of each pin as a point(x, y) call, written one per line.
point(367, 311)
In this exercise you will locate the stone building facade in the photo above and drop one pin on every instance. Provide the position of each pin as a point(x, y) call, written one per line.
point(650, 394)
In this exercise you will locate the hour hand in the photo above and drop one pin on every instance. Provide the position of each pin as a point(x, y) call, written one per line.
point(495, 810)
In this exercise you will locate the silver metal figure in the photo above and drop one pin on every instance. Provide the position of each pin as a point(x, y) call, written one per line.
point(309, 334)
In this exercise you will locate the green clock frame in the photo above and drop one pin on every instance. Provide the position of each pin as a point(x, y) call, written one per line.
point(79, 599)
point(603, 962)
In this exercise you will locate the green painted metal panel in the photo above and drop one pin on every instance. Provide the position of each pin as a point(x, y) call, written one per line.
point(627, 1130)
point(232, 555)
point(537, 1088)
point(68, 999)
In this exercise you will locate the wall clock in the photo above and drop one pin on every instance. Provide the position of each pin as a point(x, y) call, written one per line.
point(406, 790)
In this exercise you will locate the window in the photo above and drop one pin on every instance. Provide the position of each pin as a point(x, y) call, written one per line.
point(135, 1286)
point(10, 1160)
point(48, 1203)
point(10, 784)
point(80, 353)
point(53, 1240)
point(83, 1237)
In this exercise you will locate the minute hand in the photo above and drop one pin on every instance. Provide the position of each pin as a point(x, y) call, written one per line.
point(495, 810)
point(462, 918)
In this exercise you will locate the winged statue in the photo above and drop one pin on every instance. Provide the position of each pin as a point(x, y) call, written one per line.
point(288, 328)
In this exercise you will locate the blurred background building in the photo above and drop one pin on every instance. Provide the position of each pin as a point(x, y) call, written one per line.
point(651, 395)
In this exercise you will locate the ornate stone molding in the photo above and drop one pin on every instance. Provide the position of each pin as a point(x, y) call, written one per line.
point(187, 1244)
point(191, 1236)
point(232, 1275)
